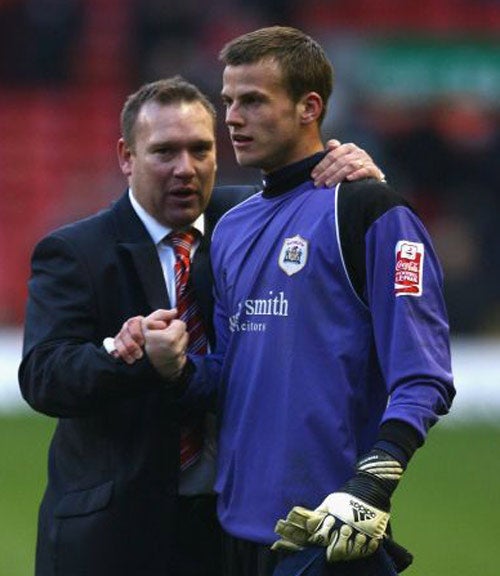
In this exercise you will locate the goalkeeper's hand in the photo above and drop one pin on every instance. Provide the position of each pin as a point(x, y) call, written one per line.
point(352, 528)
point(352, 522)
point(350, 533)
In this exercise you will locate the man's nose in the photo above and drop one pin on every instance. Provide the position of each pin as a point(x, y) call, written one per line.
point(233, 116)
point(184, 165)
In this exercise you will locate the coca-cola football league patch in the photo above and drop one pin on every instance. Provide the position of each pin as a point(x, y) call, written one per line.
point(409, 268)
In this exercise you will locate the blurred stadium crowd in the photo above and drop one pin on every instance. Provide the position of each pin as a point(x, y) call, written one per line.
point(418, 85)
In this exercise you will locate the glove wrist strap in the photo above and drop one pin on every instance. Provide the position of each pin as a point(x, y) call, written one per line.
point(369, 489)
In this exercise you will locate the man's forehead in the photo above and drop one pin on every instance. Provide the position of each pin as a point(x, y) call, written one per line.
point(258, 76)
point(177, 109)
point(181, 140)
point(189, 119)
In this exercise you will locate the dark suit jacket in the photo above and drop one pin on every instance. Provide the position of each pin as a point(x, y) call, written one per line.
point(110, 504)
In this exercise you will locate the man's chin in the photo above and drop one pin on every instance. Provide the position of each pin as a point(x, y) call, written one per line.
point(182, 218)
point(246, 161)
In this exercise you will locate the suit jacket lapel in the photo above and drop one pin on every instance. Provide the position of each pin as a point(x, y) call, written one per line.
point(137, 246)
point(145, 260)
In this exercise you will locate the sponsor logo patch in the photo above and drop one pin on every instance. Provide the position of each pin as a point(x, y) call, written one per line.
point(409, 268)
point(293, 255)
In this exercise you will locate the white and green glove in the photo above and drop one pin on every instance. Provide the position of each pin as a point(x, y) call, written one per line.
point(350, 523)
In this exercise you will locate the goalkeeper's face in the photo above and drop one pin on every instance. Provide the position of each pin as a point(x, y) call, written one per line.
point(171, 164)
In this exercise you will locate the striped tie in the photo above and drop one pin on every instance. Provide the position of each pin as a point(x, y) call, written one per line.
point(188, 310)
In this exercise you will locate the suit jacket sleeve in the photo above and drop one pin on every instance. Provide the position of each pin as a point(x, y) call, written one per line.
point(65, 371)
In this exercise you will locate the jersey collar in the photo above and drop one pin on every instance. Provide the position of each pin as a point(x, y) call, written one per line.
point(287, 178)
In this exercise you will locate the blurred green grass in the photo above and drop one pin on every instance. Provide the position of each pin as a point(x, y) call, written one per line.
point(445, 509)
point(24, 440)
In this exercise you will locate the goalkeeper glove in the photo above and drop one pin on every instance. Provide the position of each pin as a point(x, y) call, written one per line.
point(350, 523)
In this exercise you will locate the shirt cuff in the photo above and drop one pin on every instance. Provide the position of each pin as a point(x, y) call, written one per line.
point(109, 346)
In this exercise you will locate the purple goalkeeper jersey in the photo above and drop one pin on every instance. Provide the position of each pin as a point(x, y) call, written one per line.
point(320, 339)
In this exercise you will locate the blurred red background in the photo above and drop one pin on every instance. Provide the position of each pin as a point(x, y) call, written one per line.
point(418, 85)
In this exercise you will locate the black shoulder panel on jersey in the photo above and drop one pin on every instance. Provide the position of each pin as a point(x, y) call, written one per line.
point(360, 203)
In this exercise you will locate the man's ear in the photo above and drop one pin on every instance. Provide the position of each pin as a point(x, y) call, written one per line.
point(124, 157)
point(310, 106)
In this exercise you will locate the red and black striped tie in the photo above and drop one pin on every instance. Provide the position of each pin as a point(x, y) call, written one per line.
point(188, 312)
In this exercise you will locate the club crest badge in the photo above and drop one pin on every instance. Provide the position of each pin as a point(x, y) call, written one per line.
point(409, 268)
point(293, 255)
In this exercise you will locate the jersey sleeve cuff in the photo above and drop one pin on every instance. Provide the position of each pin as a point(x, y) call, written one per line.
point(398, 439)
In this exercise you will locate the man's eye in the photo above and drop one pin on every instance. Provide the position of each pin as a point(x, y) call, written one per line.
point(201, 151)
point(253, 101)
point(164, 152)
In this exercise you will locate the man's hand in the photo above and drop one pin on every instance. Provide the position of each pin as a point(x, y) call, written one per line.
point(128, 343)
point(352, 528)
point(166, 347)
point(345, 162)
point(296, 530)
point(301, 523)
point(350, 523)
point(348, 527)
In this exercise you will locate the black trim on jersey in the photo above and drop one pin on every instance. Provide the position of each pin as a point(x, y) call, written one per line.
point(291, 176)
point(360, 203)
point(400, 434)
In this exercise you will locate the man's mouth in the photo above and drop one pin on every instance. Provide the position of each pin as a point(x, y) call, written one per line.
point(184, 192)
point(240, 140)
point(183, 195)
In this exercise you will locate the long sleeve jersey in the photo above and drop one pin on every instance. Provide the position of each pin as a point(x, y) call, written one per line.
point(330, 321)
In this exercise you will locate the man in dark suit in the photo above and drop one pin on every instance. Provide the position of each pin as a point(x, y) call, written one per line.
point(112, 505)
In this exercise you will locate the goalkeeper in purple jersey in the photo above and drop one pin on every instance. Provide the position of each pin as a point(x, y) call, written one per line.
point(333, 346)
point(332, 359)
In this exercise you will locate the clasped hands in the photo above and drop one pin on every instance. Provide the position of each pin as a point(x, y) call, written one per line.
point(161, 335)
